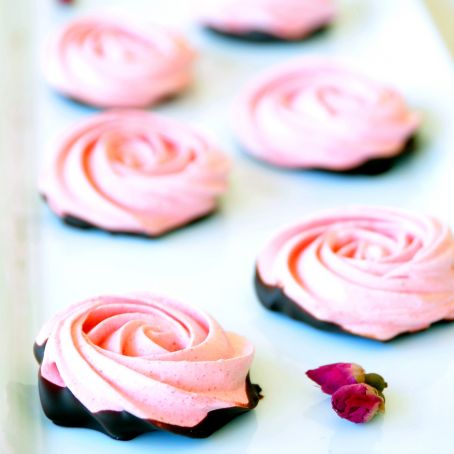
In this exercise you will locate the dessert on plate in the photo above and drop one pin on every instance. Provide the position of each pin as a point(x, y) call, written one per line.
point(315, 113)
point(370, 271)
point(109, 62)
point(133, 172)
point(126, 365)
point(267, 20)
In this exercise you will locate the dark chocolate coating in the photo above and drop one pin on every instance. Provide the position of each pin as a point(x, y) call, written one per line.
point(372, 167)
point(274, 299)
point(258, 36)
point(82, 224)
point(379, 166)
point(62, 407)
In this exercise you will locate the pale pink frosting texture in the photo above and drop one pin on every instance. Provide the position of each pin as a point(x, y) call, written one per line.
point(134, 171)
point(108, 62)
point(376, 272)
point(286, 19)
point(316, 113)
point(150, 356)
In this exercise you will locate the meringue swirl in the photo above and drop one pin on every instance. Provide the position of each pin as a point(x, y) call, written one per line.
point(375, 272)
point(315, 113)
point(107, 62)
point(285, 19)
point(150, 356)
point(134, 171)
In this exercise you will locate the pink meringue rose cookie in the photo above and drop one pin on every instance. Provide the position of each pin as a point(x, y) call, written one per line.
point(315, 113)
point(108, 62)
point(373, 272)
point(133, 172)
point(125, 365)
point(268, 19)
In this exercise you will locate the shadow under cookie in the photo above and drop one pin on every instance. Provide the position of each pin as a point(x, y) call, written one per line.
point(62, 407)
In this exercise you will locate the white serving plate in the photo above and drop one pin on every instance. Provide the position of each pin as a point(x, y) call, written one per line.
point(211, 264)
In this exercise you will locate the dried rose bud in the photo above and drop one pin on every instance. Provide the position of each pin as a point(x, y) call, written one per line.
point(332, 376)
point(358, 403)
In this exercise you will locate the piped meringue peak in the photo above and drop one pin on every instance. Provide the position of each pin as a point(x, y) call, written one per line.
point(317, 113)
point(109, 62)
point(374, 272)
point(150, 356)
point(284, 19)
point(135, 172)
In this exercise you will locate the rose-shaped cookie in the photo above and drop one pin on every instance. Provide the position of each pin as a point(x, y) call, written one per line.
point(315, 113)
point(267, 19)
point(107, 62)
point(126, 365)
point(134, 172)
point(374, 272)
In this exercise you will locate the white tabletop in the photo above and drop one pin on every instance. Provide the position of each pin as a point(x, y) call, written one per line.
point(21, 289)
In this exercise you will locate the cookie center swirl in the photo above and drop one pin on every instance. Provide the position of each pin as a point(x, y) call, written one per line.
point(117, 52)
point(372, 245)
point(141, 334)
point(336, 100)
point(114, 45)
point(150, 155)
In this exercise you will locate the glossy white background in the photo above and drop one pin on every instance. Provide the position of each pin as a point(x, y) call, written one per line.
point(211, 264)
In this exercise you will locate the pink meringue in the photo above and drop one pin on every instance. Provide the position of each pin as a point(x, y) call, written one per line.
point(107, 62)
point(374, 272)
point(152, 357)
point(135, 172)
point(315, 113)
point(285, 19)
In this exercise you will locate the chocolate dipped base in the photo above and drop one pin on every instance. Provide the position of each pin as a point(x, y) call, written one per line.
point(165, 99)
point(257, 36)
point(379, 166)
point(372, 167)
point(274, 299)
point(81, 224)
point(62, 408)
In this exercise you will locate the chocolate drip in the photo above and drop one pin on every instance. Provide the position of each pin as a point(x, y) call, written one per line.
point(62, 407)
